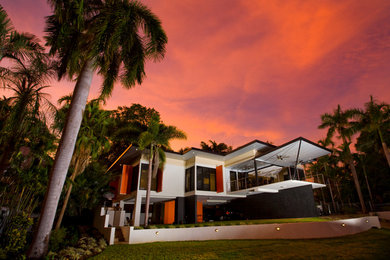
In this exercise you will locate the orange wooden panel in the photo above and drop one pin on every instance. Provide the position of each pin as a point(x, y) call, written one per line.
point(199, 211)
point(124, 179)
point(169, 212)
point(219, 173)
point(159, 180)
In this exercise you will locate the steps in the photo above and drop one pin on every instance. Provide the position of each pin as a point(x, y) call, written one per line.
point(119, 238)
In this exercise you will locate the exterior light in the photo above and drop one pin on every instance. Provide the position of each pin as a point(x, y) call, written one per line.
point(366, 220)
point(216, 230)
point(157, 233)
point(343, 225)
point(277, 229)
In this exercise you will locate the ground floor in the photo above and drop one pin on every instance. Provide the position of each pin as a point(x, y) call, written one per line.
point(294, 202)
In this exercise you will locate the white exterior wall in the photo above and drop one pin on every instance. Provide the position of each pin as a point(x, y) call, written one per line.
point(173, 178)
point(174, 173)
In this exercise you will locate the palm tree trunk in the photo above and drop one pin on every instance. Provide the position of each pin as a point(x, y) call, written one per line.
point(156, 162)
point(331, 196)
point(385, 149)
point(369, 190)
point(357, 185)
point(354, 175)
point(64, 154)
point(66, 200)
point(338, 191)
point(67, 196)
point(149, 186)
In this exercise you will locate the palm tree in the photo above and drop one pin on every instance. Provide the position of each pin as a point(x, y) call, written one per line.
point(27, 80)
point(215, 147)
point(14, 45)
point(376, 119)
point(156, 138)
point(112, 37)
point(339, 122)
point(91, 142)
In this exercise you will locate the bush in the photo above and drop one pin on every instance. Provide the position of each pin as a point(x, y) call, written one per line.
point(85, 247)
point(57, 238)
point(15, 235)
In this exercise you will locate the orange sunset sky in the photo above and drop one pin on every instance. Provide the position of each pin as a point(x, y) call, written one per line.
point(242, 70)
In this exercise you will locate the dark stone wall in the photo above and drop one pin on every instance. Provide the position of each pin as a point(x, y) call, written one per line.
point(289, 203)
point(190, 209)
point(179, 210)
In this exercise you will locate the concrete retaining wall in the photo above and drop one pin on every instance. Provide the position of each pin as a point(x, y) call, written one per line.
point(101, 222)
point(262, 231)
point(384, 215)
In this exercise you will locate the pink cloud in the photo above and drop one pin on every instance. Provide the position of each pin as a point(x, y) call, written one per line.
point(242, 70)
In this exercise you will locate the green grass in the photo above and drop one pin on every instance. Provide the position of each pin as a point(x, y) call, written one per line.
point(244, 222)
point(373, 244)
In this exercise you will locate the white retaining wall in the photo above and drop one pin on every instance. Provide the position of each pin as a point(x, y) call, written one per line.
point(262, 231)
point(384, 214)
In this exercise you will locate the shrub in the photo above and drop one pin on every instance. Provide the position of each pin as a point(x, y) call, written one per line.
point(57, 238)
point(86, 247)
point(152, 227)
point(15, 235)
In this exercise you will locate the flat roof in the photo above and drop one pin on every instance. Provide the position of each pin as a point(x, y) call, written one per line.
point(299, 150)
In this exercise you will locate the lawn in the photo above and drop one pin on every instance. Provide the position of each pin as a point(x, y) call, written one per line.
point(373, 244)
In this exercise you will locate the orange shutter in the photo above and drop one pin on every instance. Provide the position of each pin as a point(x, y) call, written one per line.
point(159, 180)
point(199, 212)
point(219, 173)
point(124, 179)
point(129, 178)
point(169, 212)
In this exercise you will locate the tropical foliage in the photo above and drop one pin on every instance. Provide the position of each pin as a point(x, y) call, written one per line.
point(365, 165)
point(215, 147)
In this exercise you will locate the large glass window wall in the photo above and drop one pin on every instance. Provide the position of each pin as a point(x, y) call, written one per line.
point(205, 178)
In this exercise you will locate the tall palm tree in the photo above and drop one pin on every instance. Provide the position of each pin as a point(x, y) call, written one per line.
point(27, 81)
point(112, 37)
point(339, 122)
point(91, 142)
point(156, 138)
point(376, 119)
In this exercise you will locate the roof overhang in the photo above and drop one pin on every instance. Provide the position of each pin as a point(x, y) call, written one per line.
point(277, 186)
point(297, 151)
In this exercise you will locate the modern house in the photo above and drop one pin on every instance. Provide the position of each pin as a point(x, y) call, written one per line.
point(256, 180)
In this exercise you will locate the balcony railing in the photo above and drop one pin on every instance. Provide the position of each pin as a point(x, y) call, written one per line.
point(247, 183)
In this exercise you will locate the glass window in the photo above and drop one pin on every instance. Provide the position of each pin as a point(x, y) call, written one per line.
point(205, 178)
point(144, 178)
point(233, 181)
point(189, 185)
point(212, 181)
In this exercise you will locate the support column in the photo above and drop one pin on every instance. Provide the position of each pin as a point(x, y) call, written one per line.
point(256, 175)
point(137, 209)
point(296, 161)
